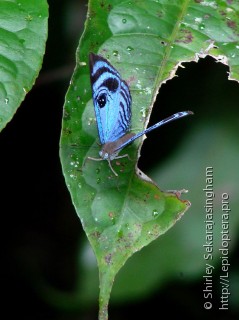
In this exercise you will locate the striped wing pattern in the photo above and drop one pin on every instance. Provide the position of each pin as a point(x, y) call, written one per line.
point(111, 98)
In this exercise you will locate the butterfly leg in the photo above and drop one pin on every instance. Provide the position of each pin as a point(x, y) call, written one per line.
point(91, 158)
point(123, 156)
point(118, 157)
point(94, 159)
point(112, 168)
point(100, 159)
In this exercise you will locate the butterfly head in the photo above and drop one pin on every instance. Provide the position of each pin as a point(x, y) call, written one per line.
point(108, 151)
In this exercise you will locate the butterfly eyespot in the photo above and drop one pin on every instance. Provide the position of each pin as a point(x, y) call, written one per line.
point(101, 100)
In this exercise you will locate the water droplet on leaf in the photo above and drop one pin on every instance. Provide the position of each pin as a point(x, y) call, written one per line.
point(155, 213)
point(120, 233)
point(130, 49)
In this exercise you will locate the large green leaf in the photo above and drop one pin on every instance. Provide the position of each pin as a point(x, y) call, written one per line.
point(146, 41)
point(23, 33)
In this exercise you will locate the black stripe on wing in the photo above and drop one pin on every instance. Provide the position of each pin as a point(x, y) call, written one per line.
point(125, 106)
point(105, 68)
point(104, 75)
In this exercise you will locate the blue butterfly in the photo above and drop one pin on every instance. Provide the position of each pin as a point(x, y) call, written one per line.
point(112, 103)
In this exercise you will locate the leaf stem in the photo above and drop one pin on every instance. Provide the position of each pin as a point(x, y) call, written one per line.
point(106, 282)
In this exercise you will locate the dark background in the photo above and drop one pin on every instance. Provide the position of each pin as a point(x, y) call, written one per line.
point(42, 234)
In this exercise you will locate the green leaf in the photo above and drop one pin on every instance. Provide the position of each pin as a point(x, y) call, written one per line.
point(145, 41)
point(23, 33)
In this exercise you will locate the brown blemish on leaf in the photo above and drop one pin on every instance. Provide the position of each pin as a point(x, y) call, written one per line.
point(102, 4)
point(231, 24)
point(95, 234)
point(198, 1)
point(146, 197)
point(111, 215)
point(156, 197)
point(159, 14)
point(223, 13)
point(185, 36)
point(131, 80)
point(108, 258)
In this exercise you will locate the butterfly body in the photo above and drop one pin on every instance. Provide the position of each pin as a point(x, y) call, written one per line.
point(112, 104)
point(110, 150)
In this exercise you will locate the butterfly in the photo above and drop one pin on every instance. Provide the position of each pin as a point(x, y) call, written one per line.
point(112, 103)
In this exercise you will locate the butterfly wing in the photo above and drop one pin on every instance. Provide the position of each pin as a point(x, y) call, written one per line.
point(112, 99)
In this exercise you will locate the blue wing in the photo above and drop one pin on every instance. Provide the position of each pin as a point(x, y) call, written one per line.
point(112, 100)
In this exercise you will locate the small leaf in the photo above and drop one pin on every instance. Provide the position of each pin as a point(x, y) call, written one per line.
point(145, 41)
point(23, 33)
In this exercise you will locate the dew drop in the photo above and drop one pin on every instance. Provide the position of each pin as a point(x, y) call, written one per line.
point(97, 170)
point(143, 112)
point(112, 217)
point(155, 213)
point(73, 176)
point(198, 20)
point(6, 100)
point(124, 20)
point(115, 53)
point(98, 181)
point(90, 121)
point(130, 49)
point(120, 233)
point(28, 18)
point(201, 26)
point(148, 90)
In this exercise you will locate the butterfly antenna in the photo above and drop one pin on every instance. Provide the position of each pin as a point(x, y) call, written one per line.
point(173, 117)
